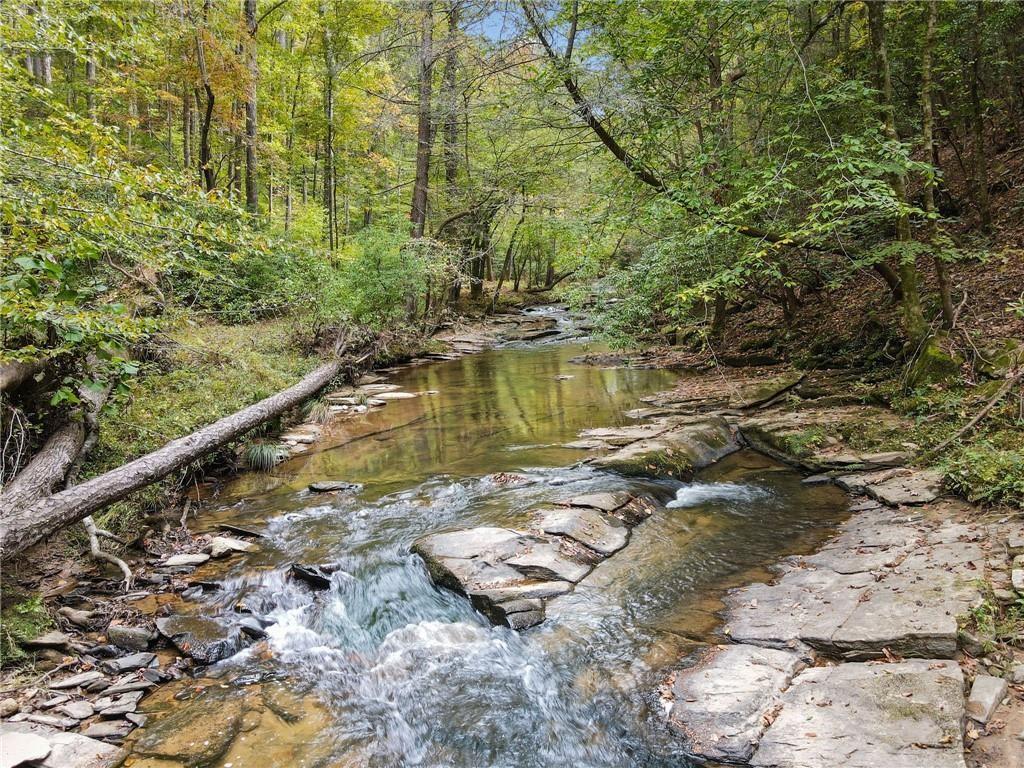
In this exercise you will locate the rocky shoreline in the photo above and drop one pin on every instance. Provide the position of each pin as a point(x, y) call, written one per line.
point(856, 654)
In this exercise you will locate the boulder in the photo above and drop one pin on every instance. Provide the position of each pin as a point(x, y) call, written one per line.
point(66, 750)
point(132, 638)
point(933, 365)
point(906, 714)
point(202, 638)
point(720, 706)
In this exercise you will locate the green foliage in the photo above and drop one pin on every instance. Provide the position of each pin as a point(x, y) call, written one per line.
point(22, 621)
point(990, 470)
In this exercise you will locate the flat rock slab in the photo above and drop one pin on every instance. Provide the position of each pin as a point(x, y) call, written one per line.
point(66, 750)
point(721, 704)
point(677, 452)
point(509, 575)
point(882, 583)
point(905, 715)
point(604, 534)
point(896, 487)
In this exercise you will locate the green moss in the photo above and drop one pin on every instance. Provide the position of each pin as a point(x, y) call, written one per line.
point(20, 622)
point(933, 365)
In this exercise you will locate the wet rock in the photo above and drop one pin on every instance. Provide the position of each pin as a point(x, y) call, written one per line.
point(546, 562)
point(395, 396)
point(77, 680)
point(22, 748)
point(239, 531)
point(722, 703)
point(202, 638)
point(221, 546)
point(987, 693)
point(197, 733)
point(859, 715)
point(606, 502)
point(253, 627)
point(79, 710)
point(112, 730)
point(817, 480)
point(197, 558)
point(67, 750)
point(313, 575)
point(55, 640)
point(329, 486)
point(524, 619)
point(129, 663)
point(678, 452)
point(605, 535)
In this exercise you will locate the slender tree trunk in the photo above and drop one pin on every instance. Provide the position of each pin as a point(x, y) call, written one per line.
point(928, 140)
point(330, 72)
point(90, 86)
point(913, 316)
point(424, 128)
point(205, 161)
point(449, 99)
point(186, 128)
point(252, 193)
point(978, 161)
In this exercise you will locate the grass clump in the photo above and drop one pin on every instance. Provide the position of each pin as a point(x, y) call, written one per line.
point(263, 456)
point(20, 622)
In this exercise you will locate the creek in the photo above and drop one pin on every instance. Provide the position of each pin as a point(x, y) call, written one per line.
point(388, 670)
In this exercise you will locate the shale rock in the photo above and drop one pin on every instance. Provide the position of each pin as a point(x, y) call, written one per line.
point(66, 750)
point(721, 704)
point(906, 714)
point(202, 638)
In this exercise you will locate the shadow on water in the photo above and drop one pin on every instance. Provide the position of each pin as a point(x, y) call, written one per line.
point(408, 675)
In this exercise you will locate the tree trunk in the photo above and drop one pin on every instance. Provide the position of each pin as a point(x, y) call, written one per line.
point(928, 140)
point(90, 86)
point(330, 65)
point(913, 316)
point(186, 128)
point(449, 99)
point(978, 161)
point(252, 193)
point(205, 164)
point(424, 129)
point(25, 521)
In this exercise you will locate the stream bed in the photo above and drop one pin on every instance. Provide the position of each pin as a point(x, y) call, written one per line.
point(385, 669)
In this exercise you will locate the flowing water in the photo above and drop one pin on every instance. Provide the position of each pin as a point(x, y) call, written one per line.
point(395, 672)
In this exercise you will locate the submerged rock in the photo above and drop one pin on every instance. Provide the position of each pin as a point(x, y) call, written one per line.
point(907, 714)
point(329, 486)
point(197, 733)
point(721, 704)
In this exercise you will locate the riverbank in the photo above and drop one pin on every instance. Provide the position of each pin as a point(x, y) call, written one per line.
point(882, 645)
point(102, 652)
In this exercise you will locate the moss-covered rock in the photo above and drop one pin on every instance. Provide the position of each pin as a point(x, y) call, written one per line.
point(934, 364)
point(999, 357)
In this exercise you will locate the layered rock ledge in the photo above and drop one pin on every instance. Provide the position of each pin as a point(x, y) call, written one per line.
point(509, 575)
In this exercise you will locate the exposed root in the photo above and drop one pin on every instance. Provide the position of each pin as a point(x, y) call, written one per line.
point(95, 533)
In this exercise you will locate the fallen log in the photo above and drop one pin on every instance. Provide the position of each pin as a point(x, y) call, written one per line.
point(24, 521)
